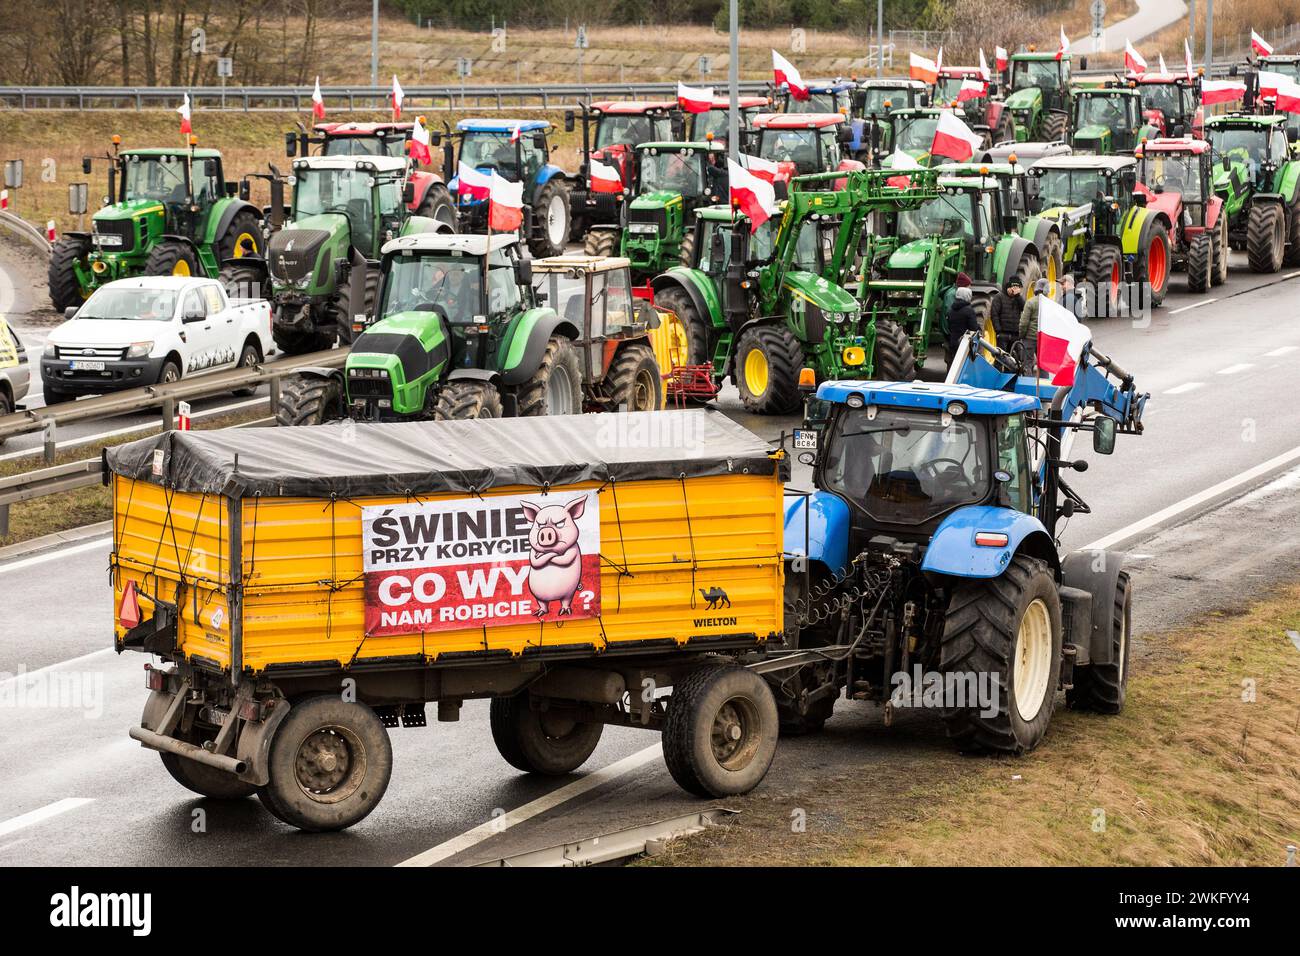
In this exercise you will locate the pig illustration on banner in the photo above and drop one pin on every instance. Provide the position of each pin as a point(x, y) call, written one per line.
point(555, 562)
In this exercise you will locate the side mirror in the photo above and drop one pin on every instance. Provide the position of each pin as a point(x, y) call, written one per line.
point(435, 137)
point(1140, 199)
point(408, 193)
point(291, 145)
point(539, 142)
point(231, 187)
point(70, 312)
point(570, 121)
point(1103, 435)
point(85, 164)
point(1083, 63)
point(210, 168)
point(524, 270)
point(1232, 71)
point(245, 190)
point(1128, 179)
point(679, 127)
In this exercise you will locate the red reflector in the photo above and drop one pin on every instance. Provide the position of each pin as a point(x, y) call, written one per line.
point(990, 539)
point(154, 680)
point(128, 612)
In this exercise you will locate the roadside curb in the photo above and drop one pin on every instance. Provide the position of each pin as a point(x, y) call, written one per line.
point(56, 539)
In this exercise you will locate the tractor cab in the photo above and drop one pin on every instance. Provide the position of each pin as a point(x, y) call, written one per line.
point(713, 125)
point(803, 143)
point(1170, 104)
point(1249, 146)
point(913, 132)
point(1108, 119)
point(1176, 167)
point(1288, 64)
point(824, 96)
point(1070, 183)
point(673, 180)
point(363, 197)
point(611, 130)
point(875, 99)
point(1039, 97)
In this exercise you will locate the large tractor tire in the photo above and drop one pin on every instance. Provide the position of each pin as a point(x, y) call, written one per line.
point(69, 253)
point(1006, 128)
point(340, 309)
point(243, 232)
point(245, 281)
point(1154, 262)
point(1008, 627)
point(309, 400)
point(1104, 687)
point(1265, 237)
point(556, 387)
point(1056, 127)
point(1292, 255)
point(547, 742)
point(686, 254)
point(294, 341)
point(550, 220)
point(467, 399)
point(172, 258)
point(720, 732)
point(633, 382)
point(437, 205)
point(1051, 260)
point(767, 363)
point(1104, 270)
point(1221, 251)
point(895, 360)
point(600, 243)
point(1200, 263)
point(697, 326)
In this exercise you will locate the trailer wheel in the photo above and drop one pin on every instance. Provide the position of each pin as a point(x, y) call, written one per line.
point(1200, 263)
point(633, 381)
point(309, 400)
point(329, 765)
point(1221, 251)
point(600, 243)
point(720, 734)
point(467, 399)
point(1265, 237)
point(204, 780)
point(548, 742)
point(1008, 627)
point(1104, 687)
point(895, 360)
point(767, 363)
point(556, 386)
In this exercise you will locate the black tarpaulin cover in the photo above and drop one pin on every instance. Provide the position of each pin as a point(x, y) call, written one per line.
point(350, 460)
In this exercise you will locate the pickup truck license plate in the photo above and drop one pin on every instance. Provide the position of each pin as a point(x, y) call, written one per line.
point(82, 365)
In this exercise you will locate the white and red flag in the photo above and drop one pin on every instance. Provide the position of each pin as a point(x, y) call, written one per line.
point(984, 66)
point(1163, 69)
point(1000, 58)
point(694, 99)
point(1288, 97)
point(516, 133)
point(398, 96)
point(764, 169)
point(899, 160)
point(922, 68)
point(420, 151)
point(184, 110)
point(954, 139)
point(1134, 61)
point(605, 178)
point(753, 196)
point(971, 89)
point(938, 60)
point(472, 183)
point(1269, 82)
point(1187, 60)
point(1222, 91)
point(1061, 341)
point(785, 74)
point(1260, 45)
point(317, 101)
point(1064, 48)
point(505, 204)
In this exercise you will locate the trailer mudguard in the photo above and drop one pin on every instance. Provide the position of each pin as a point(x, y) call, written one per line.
point(953, 550)
point(817, 527)
point(229, 209)
point(525, 340)
point(1006, 257)
point(1096, 572)
point(703, 295)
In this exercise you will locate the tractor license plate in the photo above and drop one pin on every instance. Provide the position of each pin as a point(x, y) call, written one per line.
point(81, 365)
point(805, 439)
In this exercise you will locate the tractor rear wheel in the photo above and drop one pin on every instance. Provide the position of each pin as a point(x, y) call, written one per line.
point(1221, 251)
point(1265, 237)
point(340, 309)
point(244, 281)
point(1104, 687)
point(556, 386)
point(243, 237)
point(1051, 260)
point(1200, 263)
point(1153, 262)
point(1008, 627)
point(600, 243)
point(172, 258)
point(550, 220)
point(686, 254)
point(309, 400)
point(437, 205)
point(295, 341)
point(895, 360)
point(766, 369)
point(676, 301)
point(548, 742)
point(65, 289)
point(1292, 256)
point(467, 399)
point(1056, 127)
point(1104, 271)
point(633, 383)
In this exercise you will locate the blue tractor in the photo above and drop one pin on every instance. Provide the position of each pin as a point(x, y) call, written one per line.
point(925, 568)
point(833, 96)
point(516, 150)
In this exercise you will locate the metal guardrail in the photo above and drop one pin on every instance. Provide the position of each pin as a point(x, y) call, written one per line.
point(48, 481)
point(26, 231)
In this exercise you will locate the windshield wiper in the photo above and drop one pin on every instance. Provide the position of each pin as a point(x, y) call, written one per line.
point(901, 429)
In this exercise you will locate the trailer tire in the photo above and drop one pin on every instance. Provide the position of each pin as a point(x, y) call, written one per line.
point(895, 360)
point(556, 387)
point(600, 243)
point(61, 276)
point(1103, 688)
point(546, 742)
point(1009, 626)
point(329, 765)
point(309, 400)
point(466, 399)
point(766, 370)
point(633, 381)
point(1265, 237)
point(204, 780)
point(720, 734)
point(1200, 263)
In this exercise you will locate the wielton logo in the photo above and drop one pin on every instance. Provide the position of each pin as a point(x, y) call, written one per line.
point(76, 909)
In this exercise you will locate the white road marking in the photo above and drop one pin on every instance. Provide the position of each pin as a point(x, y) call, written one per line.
point(1284, 350)
point(44, 813)
point(1234, 369)
point(551, 800)
point(53, 555)
point(28, 675)
point(1185, 387)
point(1194, 305)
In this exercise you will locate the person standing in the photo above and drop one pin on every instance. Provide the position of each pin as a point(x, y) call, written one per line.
point(962, 318)
point(1005, 311)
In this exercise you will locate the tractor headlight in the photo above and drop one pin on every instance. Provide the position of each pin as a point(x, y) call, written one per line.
point(643, 229)
point(138, 350)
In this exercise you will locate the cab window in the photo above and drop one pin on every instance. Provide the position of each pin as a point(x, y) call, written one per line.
point(503, 292)
point(1014, 460)
point(212, 299)
point(192, 304)
point(619, 313)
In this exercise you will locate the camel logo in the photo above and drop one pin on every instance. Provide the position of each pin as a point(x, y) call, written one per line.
point(716, 597)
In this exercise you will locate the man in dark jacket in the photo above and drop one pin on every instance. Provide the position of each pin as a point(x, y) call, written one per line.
point(962, 318)
point(1006, 309)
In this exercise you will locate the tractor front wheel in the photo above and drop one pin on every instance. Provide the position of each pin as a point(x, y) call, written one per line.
point(633, 383)
point(309, 400)
point(1104, 271)
point(437, 205)
point(1056, 127)
point(550, 220)
point(556, 386)
point(172, 258)
point(1292, 256)
point(70, 253)
point(1265, 237)
point(895, 360)
point(1153, 263)
point(686, 254)
point(1200, 263)
point(1052, 260)
point(676, 301)
point(1104, 687)
point(467, 399)
point(767, 363)
point(1221, 250)
point(600, 243)
point(244, 281)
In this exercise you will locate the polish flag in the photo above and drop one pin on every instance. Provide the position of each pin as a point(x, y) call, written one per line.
point(901, 161)
point(506, 204)
point(1061, 341)
point(1288, 97)
point(938, 60)
point(1134, 61)
point(694, 99)
point(971, 89)
point(923, 69)
point(605, 178)
point(398, 95)
point(50, 232)
point(1259, 44)
point(184, 110)
point(954, 139)
point(753, 196)
point(764, 169)
point(317, 101)
point(516, 133)
point(1222, 91)
point(1187, 60)
point(420, 151)
point(4, 199)
point(1000, 58)
point(785, 73)
point(984, 66)
point(472, 183)
point(1163, 69)
point(1064, 48)
point(1270, 82)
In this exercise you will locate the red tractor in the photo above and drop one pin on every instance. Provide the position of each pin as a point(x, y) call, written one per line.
point(802, 143)
point(432, 198)
point(713, 124)
point(1176, 178)
point(1171, 103)
point(987, 115)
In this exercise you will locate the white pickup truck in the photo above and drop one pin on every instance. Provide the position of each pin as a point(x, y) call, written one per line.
point(152, 330)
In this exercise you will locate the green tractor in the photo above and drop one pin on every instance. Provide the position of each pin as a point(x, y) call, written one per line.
point(760, 306)
point(874, 100)
point(1109, 119)
point(1259, 181)
point(912, 133)
point(167, 212)
point(1108, 233)
point(672, 181)
point(320, 269)
point(1039, 97)
point(469, 327)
